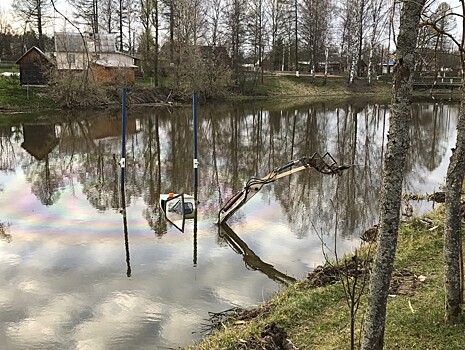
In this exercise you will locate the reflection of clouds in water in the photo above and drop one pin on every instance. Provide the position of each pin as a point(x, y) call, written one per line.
point(9, 259)
point(117, 317)
point(183, 320)
point(34, 287)
point(45, 323)
point(103, 311)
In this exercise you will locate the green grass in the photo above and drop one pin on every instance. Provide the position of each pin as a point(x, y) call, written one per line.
point(13, 96)
point(305, 85)
point(13, 69)
point(319, 319)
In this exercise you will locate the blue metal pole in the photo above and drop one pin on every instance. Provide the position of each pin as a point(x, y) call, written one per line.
point(123, 136)
point(196, 162)
point(123, 192)
point(196, 174)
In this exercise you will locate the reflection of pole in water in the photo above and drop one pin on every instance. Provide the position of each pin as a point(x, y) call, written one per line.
point(125, 227)
point(123, 193)
point(195, 230)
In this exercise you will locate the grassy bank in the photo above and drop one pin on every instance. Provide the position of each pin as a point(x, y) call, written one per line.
point(306, 85)
point(273, 88)
point(318, 318)
point(15, 97)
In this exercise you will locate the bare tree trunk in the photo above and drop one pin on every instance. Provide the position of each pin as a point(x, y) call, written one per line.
point(325, 79)
point(296, 22)
point(452, 224)
point(39, 27)
point(391, 191)
point(453, 259)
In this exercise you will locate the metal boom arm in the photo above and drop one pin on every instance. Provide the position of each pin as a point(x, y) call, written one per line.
point(324, 164)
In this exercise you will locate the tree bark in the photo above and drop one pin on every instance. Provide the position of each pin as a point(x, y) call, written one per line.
point(391, 191)
point(452, 224)
point(453, 264)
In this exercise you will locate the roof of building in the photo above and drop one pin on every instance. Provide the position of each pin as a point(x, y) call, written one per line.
point(77, 42)
point(34, 48)
point(112, 63)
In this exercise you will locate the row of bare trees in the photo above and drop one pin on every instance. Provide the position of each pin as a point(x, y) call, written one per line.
point(273, 34)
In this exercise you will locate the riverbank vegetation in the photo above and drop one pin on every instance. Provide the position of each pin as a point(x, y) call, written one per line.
point(312, 315)
point(15, 97)
point(68, 93)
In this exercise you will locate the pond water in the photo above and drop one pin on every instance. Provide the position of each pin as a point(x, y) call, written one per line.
point(73, 276)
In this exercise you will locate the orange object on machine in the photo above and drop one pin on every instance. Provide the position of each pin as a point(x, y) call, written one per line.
point(171, 195)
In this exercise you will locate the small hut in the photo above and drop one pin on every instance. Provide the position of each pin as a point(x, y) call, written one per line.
point(34, 67)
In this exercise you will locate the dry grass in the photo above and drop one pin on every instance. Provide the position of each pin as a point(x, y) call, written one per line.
point(319, 319)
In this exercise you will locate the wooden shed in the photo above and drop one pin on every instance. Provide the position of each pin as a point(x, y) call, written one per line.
point(115, 72)
point(34, 67)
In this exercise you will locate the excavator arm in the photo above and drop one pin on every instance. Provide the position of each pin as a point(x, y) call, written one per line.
point(324, 164)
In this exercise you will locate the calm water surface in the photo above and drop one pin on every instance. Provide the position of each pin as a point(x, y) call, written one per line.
point(64, 260)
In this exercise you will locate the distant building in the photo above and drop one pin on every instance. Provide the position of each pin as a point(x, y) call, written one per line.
point(34, 67)
point(95, 54)
point(388, 67)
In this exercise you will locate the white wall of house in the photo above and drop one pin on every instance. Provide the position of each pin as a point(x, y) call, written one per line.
point(70, 52)
point(80, 60)
point(71, 60)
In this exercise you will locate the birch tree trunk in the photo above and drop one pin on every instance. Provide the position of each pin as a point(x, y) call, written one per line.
point(391, 191)
point(452, 224)
point(453, 264)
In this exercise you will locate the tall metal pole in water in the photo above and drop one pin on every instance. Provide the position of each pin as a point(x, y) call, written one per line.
point(123, 192)
point(123, 137)
point(196, 174)
point(196, 162)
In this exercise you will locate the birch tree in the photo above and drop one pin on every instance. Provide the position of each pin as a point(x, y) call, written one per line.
point(349, 43)
point(377, 14)
point(453, 269)
point(391, 189)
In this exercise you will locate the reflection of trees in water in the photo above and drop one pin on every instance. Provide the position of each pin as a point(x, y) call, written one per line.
point(4, 236)
point(97, 167)
point(432, 125)
point(152, 174)
point(250, 142)
point(46, 180)
point(7, 152)
point(235, 143)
